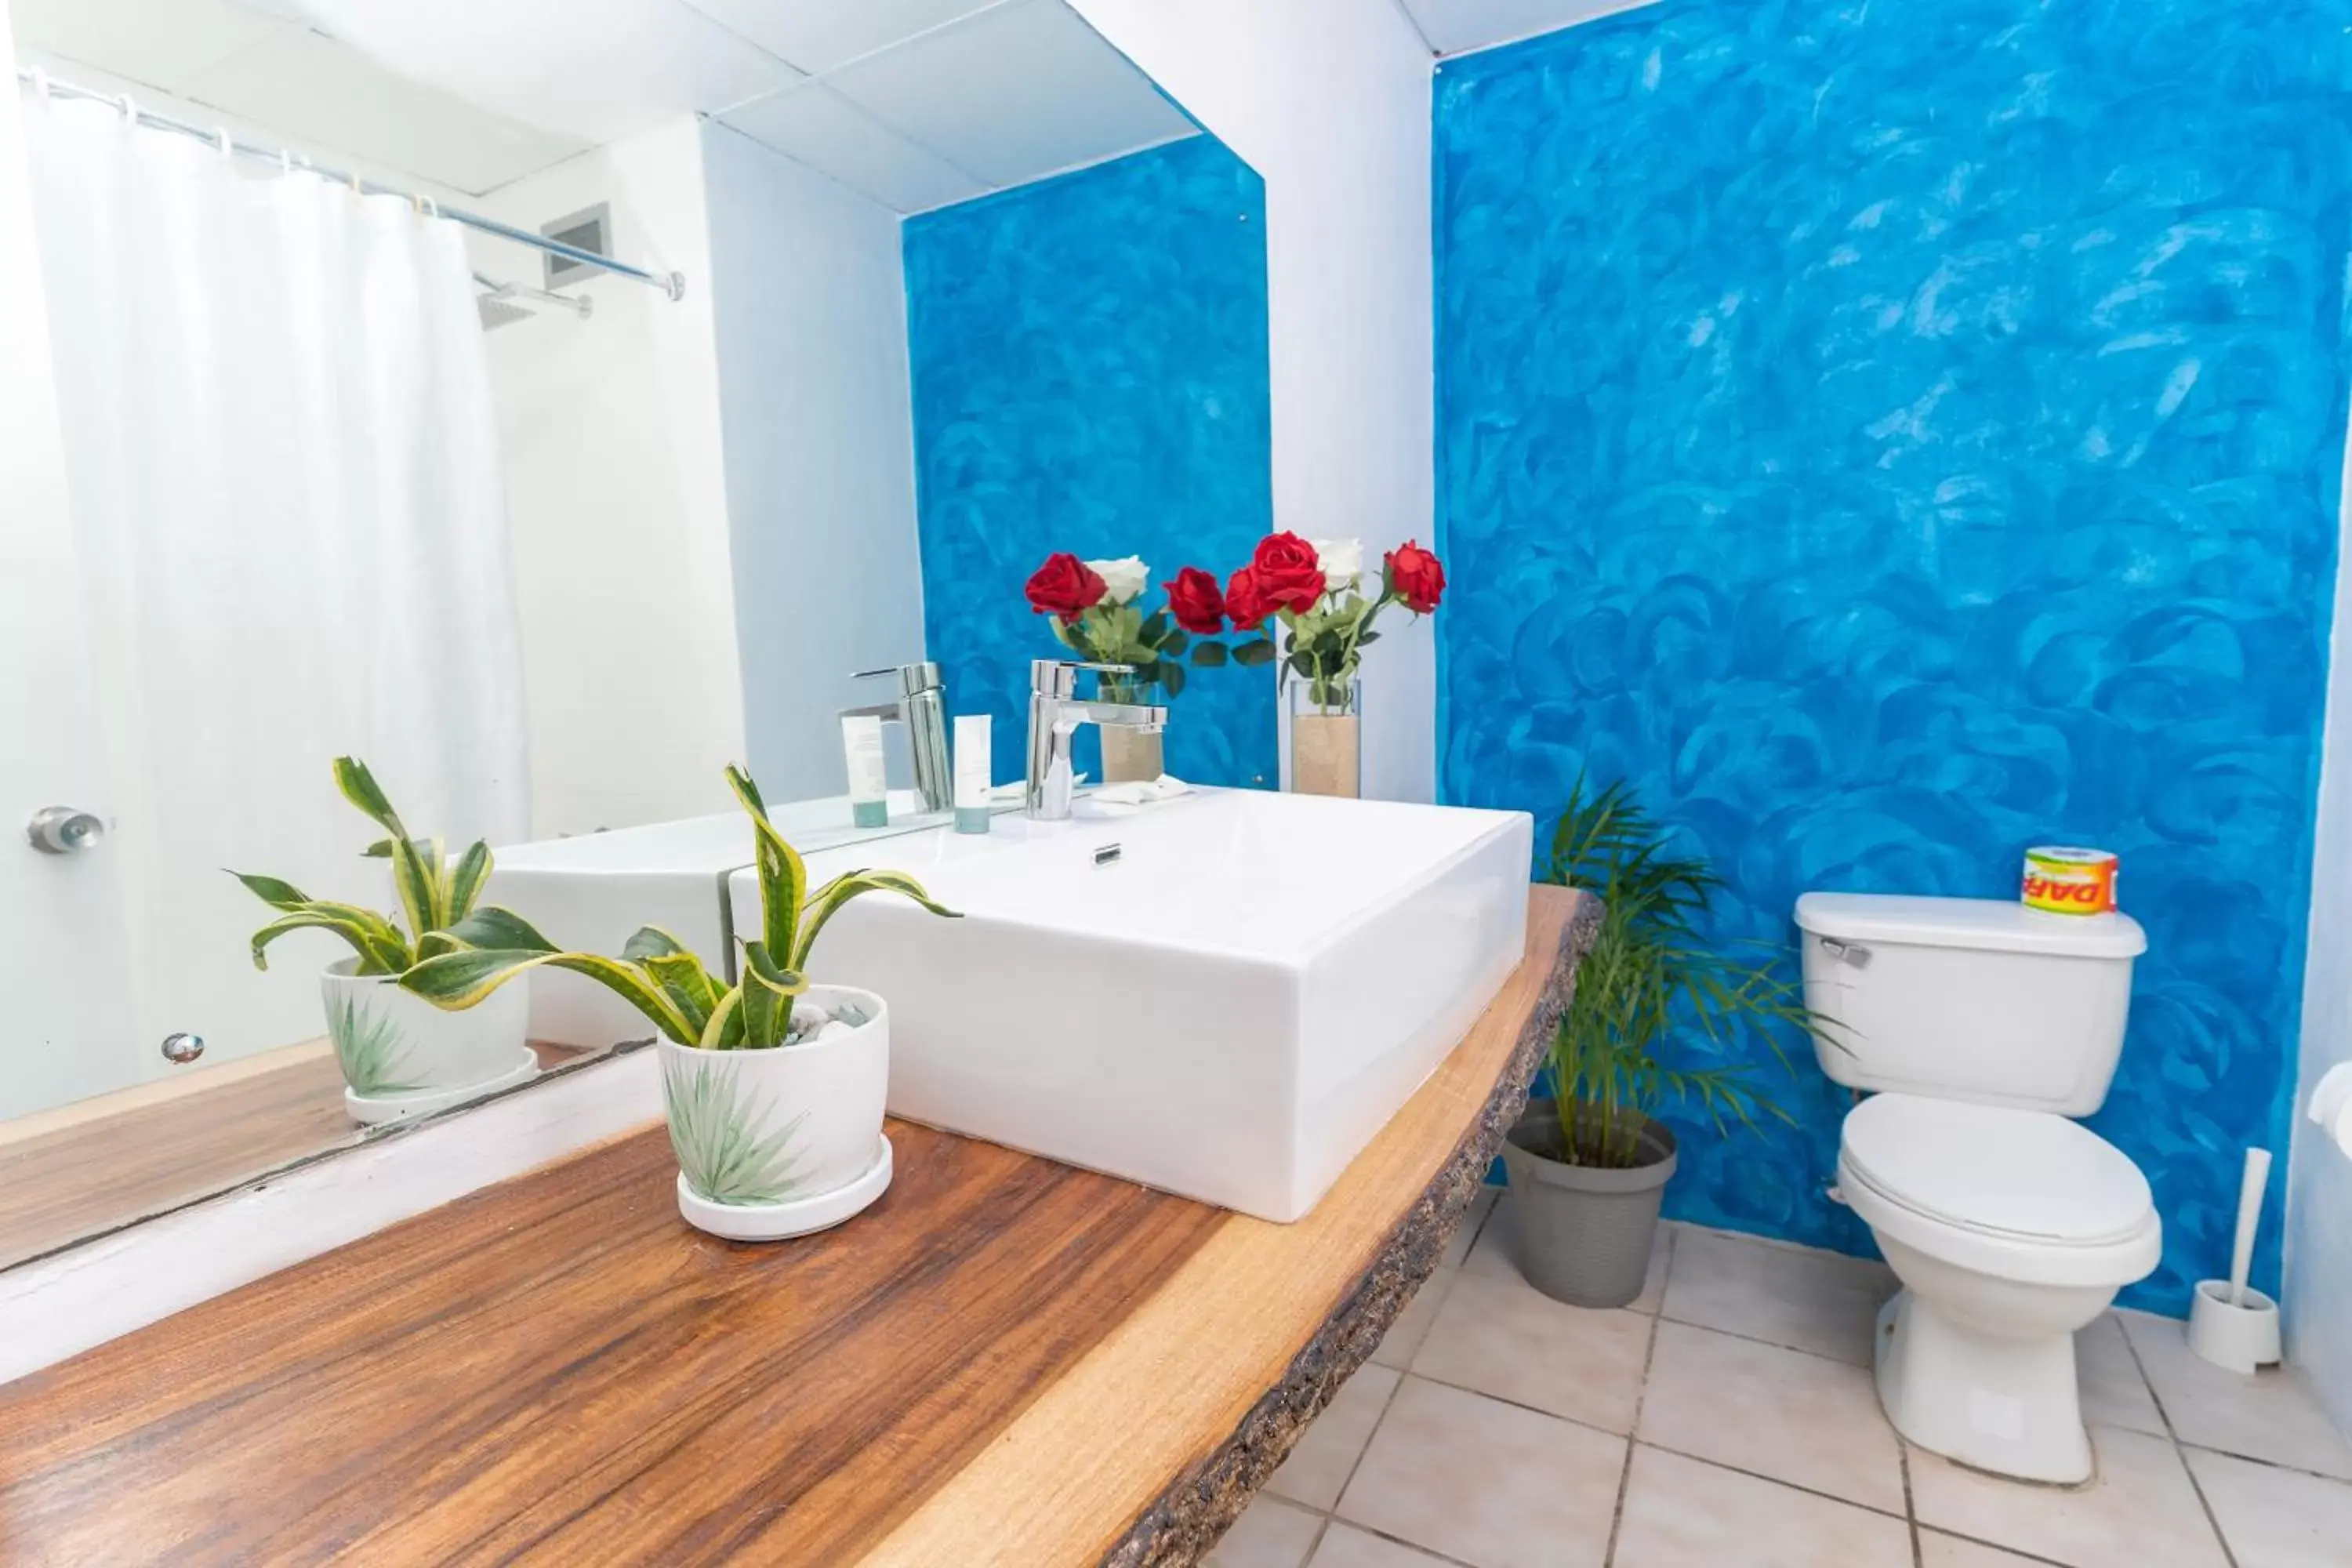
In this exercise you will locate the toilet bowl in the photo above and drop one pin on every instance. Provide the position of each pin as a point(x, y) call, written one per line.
point(1977, 1029)
point(2010, 1230)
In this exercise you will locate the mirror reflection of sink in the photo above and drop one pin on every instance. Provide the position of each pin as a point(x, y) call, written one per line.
point(591, 891)
point(1229, 1007)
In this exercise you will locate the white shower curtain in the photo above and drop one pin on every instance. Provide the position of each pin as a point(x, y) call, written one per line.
point(285, 488)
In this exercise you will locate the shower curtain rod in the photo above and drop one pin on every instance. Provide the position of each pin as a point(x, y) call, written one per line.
point(670, 283)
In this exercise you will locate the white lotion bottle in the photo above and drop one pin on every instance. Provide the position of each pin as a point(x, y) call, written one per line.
point(869, 788)
point(974, 783)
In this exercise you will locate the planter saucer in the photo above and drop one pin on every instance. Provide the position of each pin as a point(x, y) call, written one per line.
point(774, 1222)
point(373, 1111)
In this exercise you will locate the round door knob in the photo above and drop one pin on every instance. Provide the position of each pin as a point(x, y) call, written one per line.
point(182, 1047)
point(64, 829)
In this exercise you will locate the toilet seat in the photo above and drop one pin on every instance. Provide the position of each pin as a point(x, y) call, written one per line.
point(2023, 1195)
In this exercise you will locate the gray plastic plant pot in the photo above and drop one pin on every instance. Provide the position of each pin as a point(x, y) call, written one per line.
point(1583, 1232)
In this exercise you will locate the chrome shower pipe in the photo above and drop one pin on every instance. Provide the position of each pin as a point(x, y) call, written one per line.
point(670, 283)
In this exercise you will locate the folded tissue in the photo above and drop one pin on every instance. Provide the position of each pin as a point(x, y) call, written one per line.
point(1141, 792)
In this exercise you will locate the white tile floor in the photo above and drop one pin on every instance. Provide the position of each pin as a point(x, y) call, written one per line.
point(1726, 1420)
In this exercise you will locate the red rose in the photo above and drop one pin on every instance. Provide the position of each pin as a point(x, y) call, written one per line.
point(1064, 586)
point(1247, 606)
point(1287, 573)
point(1196, 604)
point(1417, 577)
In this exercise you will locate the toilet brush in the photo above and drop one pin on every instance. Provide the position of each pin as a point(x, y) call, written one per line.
point(2231, 1324)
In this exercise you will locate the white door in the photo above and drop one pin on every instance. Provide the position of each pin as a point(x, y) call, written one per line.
point(65, 1014)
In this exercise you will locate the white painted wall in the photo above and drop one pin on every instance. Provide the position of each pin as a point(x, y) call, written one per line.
point(616, 493)
point(810, 304)
point(2318, 1305)
point(1329, 101)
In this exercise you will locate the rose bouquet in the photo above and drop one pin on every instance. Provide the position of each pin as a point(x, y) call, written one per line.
point(1314, 592)
point(1093, 610)
point(1091, 606)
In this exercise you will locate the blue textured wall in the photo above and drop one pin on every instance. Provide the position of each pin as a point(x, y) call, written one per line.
point(1089, 367)
point(1893, 435)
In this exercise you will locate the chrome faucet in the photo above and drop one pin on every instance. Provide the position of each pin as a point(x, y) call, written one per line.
point(922, 708)
point(1054, 715)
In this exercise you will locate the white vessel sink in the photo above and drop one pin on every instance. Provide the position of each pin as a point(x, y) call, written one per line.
point(1229, 1009)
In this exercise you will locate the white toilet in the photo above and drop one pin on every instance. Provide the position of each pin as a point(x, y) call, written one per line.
point(1979, 1027)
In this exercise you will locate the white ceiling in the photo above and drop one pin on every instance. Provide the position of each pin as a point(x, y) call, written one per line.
point(915, 103)
point(1007, 94)
point(258, 62)
point(1458, 26)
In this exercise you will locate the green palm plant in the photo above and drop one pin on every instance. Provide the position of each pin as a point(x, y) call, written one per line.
point(656, 973)
point(434, 893)
point(1651, 973)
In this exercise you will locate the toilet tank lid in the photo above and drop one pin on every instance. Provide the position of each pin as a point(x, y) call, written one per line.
point(1985, 925)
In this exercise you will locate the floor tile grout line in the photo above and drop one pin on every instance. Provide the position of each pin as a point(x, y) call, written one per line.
point(2019, 1553)
point(1369, 1438)
point(1322, 1529)
point(1774, 1480)
point(2179, 1449)
point(1910, 1507)
point(1633, 1433)
point(1430, 1552)
point(1758, 1340)
point(2246, 1458)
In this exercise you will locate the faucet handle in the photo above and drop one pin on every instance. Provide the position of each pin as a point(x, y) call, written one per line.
point(1058, 678)
point(921, 675)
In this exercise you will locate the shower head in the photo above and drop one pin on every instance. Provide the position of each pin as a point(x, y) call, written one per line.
point(503, 304)
point(498, 313)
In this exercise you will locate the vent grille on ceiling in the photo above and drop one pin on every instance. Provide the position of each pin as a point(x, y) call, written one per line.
point(591, 229)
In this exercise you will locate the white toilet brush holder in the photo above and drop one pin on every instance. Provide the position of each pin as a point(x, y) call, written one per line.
point(2229, 1323)
point(2241, 1334)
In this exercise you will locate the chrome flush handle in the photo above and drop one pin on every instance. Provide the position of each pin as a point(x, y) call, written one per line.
point(1850, 954)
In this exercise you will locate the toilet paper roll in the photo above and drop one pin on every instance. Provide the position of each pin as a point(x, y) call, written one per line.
point(2331, 1104)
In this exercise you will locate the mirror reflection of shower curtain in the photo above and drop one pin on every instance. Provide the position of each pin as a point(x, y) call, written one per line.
point(285, 488)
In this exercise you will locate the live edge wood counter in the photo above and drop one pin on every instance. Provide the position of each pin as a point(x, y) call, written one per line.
point(1005, 1361)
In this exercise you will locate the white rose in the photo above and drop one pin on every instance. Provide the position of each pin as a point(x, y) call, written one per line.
point(1343, 563)
point(1126, 578)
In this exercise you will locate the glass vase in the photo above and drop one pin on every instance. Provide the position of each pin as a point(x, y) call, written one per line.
point(1326, 724)
point(1130, 755)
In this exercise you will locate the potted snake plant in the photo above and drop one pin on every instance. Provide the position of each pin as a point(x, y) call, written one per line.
point(773, 1086)
point(399, 1056)
point(1589, 1166)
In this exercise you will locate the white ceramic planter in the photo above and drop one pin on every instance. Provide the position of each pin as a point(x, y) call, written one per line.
point(402, 1056)
point(780, 1142)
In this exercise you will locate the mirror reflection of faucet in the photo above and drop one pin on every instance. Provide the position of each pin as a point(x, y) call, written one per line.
point(921, 706)
point(1056, 711)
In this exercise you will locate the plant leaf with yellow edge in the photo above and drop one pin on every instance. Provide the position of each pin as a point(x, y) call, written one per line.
point(457, 980)
point(784, 878)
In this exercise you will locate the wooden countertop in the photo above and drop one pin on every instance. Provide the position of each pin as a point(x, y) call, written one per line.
point(1004, 1361)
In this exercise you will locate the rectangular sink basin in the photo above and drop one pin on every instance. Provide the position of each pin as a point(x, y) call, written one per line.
point(1225, 995)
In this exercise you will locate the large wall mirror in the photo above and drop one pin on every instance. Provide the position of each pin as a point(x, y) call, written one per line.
point(858, 312)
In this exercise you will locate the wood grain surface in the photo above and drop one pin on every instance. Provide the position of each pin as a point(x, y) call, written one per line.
point(1005, 1361)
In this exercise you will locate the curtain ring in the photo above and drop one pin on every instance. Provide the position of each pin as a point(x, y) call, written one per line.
point(129, 110)
point(285, 162)
point(356, 189)
point(221, 140)
point(424, 207)
point(41, 83)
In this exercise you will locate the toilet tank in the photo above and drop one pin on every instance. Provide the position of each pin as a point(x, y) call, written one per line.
point(1977, 999)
